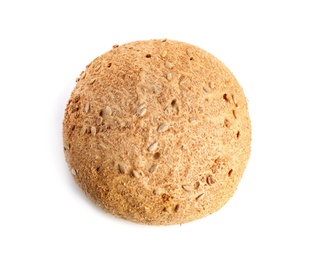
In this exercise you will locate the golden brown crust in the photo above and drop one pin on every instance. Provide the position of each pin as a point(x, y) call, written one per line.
point(157, 132)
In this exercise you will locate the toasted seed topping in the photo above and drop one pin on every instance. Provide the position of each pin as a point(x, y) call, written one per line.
point(169, 64)
point(164, 40)
point(164, 53)
point(74, 171)
point(197, 185)
point(209, 180)
point(193, 120)
point(97, 68)
point(87, 107)
point(122, 168)
point(99, 120)
point(176, 208)
point(187, 188)
point(162, 128)
point(83, 130)
point(207, 89)
point(93, 130)
point(102, 146)
point(135, 174)
point(141, 110)
point(115, 46)
point(108, 110)
point(92, 81)
point(66, 146)
point(156, 192)
point(234, 114)
point(211, 84)
point(189, 53)
point(227, 123)
point(234, 101)
point(169, 76)
point(225, 97)
point(200, 196)
point(152, 147)
point(153, 168)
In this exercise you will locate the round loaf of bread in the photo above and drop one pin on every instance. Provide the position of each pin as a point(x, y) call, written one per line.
point(157, 132)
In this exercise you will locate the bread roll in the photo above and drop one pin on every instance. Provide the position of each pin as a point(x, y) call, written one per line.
point(157, 132)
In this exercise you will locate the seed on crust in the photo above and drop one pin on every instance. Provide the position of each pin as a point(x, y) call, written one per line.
point(199, 197)
point(108, 111)
point(169, 76)
point(176, 208)
point(164, 53)
point(135, 174)
point(74, 171)
point(152, 147)
point(162, 128)
point(211, 84)
point(207, 89)
point(210, 180)
point(189, 53)
point(122, 168)
point(141, 110)
point(87, 106)
point(97, 68)
point(187, 188)
point(93, 130)
point(83, 131)
point(92, 81)
point(153, 168)
point(169, 64)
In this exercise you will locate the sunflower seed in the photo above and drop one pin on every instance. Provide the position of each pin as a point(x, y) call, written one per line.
point(74, 171)
point(209, 180)
point(97, 67)
point(164, 40)
point(87, 106)
point(234, 114)
point(211, 84)
point(135, 174)
point(115, 46)
point(169, 76)
point(83, 130)
point(141, 110)
point(200, 196)
point(152, 147)
point(187, 188)
point(189, 53)
point(169, 64)
point(207, 89)
point(227, 123)
point(162, 128)
point(92, 81)
point(193, 120)
point(93, 130)
point(122, 168)
point(108, 110)
point(153, 168)
point(164, 53)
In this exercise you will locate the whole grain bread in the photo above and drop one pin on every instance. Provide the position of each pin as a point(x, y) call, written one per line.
point(157, 132)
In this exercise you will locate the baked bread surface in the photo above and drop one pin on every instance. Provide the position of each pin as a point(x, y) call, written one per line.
point(157, 132)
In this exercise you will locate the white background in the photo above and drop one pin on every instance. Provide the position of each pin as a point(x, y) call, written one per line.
point(271, 48)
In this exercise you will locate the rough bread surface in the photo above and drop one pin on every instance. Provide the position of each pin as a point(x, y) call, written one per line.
point(157, 132)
